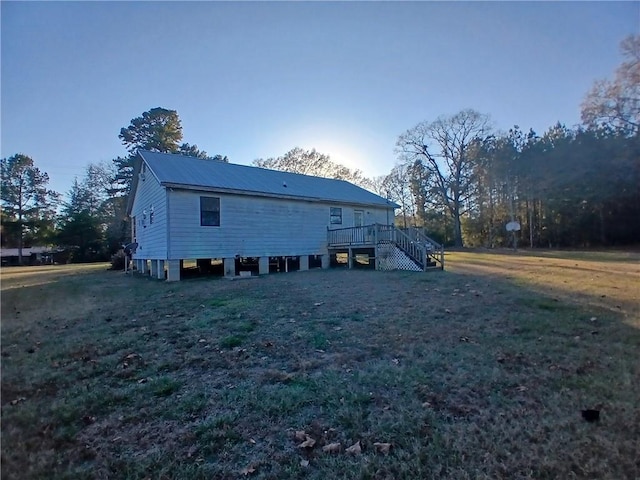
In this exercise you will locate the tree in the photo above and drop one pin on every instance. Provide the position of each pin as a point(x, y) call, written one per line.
point(616, 102)
point(93, 191)
point(81, 229)
point(158, 130)
point(444, 148)
point(396, 184)
point(193, 151)
point(419, 179)
point(312, 162)
point(28, 207)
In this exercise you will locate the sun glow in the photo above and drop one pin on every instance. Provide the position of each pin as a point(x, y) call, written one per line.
point(348, 146)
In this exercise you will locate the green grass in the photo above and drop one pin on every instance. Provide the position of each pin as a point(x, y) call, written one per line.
point(479, 371)
point(231, 341)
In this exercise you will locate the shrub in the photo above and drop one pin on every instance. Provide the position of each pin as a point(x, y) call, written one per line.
point(117, 260)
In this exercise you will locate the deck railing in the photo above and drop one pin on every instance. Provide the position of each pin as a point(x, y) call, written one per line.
point(415, 243)
point(350, 236)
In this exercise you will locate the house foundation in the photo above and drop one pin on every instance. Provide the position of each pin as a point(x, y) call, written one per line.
point(159, 269)
point(229, 267)
point(263, 266)
point(173, 270)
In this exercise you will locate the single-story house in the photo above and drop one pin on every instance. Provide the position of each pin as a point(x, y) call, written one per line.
point(200, 209)
point(30, 256)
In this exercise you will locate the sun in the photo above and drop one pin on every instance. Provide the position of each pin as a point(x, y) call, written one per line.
point(345, 146)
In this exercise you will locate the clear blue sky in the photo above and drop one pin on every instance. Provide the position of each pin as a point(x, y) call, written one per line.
point(254, 80)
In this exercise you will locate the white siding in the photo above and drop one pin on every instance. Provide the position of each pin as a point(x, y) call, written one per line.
point(255, 226)
point(151, 237)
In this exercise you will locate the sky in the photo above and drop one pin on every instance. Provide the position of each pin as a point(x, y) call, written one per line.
point(255, 79)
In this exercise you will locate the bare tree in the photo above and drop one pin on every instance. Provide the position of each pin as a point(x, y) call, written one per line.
point(396, 186)
point(378, 186)
point(617, 102)
point(312, 162)
point(443, 147)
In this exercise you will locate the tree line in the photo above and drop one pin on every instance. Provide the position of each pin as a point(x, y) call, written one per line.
point(89, 223)
point(455, 176)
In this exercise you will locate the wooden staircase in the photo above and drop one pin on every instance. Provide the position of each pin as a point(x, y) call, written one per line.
point(395, 248)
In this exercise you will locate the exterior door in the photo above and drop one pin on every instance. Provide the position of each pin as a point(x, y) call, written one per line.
point(358, 218)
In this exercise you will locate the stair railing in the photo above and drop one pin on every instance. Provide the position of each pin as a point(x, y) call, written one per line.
point(435, 251)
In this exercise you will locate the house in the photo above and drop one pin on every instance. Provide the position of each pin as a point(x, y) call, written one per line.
point(30, 256)
point(186, 208)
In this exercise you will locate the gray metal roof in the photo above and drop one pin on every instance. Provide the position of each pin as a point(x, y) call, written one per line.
point(190, 172)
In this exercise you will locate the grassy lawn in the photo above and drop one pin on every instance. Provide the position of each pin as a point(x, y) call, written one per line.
point(480, 371)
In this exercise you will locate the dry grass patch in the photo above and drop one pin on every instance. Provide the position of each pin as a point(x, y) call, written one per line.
point(480, 371)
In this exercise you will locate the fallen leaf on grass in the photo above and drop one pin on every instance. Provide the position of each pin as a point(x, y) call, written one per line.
point(522, 388)
point(192, 451)
point(248, 470)
point(308, 443)
point(304, 463)
point(317, 304)
point(331, 448)
point(464, 339)
point(382, 447)
point(426, 404)
point(300, 435)
point(354, 449)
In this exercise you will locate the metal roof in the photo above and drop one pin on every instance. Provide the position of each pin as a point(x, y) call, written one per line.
point(189, 172)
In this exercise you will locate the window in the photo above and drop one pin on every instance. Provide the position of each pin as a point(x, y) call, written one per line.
point(210, 211)
point(336, 216)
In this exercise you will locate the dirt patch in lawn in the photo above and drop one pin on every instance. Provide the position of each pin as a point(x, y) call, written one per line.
point(475, 372)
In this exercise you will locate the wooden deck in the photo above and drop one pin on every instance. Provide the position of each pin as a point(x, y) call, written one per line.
point(421, 249)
